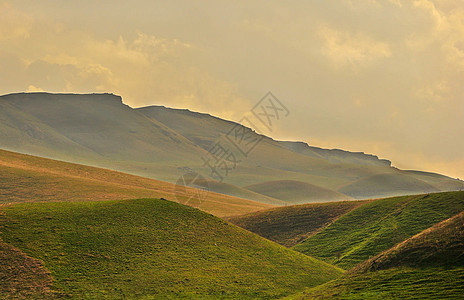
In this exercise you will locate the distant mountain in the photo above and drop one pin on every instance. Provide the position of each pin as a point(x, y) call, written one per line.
point(162, 143)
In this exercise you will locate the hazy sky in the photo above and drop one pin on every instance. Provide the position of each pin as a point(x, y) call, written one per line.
point(383, 77)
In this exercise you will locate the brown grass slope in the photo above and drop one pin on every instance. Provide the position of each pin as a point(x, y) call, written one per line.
point(291, 224)
point(25, 178)
point(21, 276)
point(442, 245)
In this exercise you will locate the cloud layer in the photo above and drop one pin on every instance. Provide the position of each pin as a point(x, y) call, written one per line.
point(383, 77)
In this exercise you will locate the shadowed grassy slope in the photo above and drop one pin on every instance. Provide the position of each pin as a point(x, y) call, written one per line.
point(25, 178)
point(378, 225)
point(294, 192)
point(430, 265)
point(387, 185)
point(404, 283)
point(442, 245)
point(154, 248)
point(290, 225)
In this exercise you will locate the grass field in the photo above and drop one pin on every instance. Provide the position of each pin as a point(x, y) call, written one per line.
point(379, 225)
point(397, 283)
point(429, 265)
point(25, 178)
point(292, 224)
point(153, 248)
point(441, 245)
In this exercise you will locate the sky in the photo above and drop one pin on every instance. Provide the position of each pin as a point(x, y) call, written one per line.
point(382, 77)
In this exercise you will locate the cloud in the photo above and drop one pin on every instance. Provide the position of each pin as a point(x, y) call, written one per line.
point(380, 76)
point(32, 88)
point(344, 48)
point(13, 23)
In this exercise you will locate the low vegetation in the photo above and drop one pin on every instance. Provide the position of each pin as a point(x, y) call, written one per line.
point(378, 225)
point(442, 245)
point(153, 248)
point(21, 276)
point(429, 265)
point(397, 283)
point(292, 224)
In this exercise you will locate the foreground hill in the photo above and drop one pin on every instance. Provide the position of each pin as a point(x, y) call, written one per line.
point(160, 143)
point(396, 283)
point(442, 245)
point(21, 276)
point(25, 178)
point(378, 225)
point(151, 248)
point(292, 224)
point(430, 265)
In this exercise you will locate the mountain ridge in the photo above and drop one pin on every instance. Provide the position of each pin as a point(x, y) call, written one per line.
point(159, 142)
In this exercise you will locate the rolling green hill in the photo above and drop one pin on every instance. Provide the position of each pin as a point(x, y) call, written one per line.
point(441, 245)
point(379, 225)
point(290, 225)
point(397, 283)
point(25, 178)
point(157, 142)
point(152, 248)
point(430, 265)
point(296, 192)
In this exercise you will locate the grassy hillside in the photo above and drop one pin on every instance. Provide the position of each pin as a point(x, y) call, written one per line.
point(404, 283)
point(290, 225)
point(442, 245)
point(153, 248)
point(21, 276)
point(379, 225)
point(429, 265)
point(25, 178)
point(295, 192)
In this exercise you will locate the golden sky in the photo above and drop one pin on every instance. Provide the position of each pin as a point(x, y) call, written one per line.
point(383, 77)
